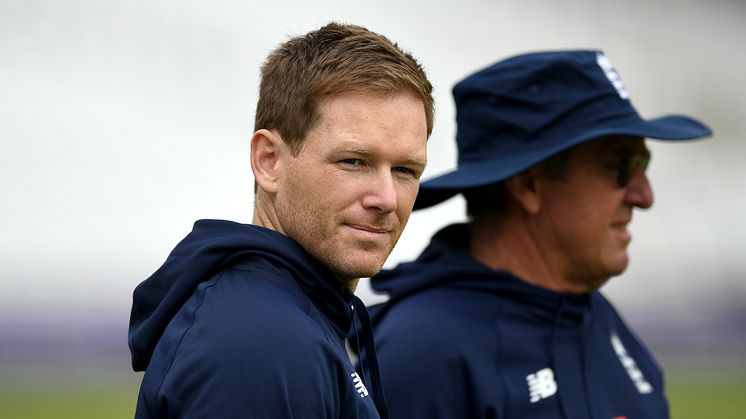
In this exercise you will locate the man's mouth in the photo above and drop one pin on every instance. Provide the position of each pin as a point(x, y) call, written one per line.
point(369, 229)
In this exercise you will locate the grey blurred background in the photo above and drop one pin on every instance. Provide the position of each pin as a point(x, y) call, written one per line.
point(123, 122)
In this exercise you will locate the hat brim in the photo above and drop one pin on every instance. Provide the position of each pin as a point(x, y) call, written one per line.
point(512, 162)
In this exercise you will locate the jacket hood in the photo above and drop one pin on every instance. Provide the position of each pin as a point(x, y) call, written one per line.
point(212, 246)
point(446, 261)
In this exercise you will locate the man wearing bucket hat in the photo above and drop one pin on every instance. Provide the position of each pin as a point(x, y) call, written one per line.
point(501, 317)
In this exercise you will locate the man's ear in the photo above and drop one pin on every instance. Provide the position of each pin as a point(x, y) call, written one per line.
point(267, 152)
point(524, 188)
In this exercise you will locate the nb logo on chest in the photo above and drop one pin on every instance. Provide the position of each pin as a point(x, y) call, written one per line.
point(541, 384)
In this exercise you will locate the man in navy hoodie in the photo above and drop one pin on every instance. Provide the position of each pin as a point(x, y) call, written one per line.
point(250, 321)
point(501, 317)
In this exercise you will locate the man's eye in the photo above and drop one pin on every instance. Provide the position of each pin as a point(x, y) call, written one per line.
point(616, 166)
point(406, 171)
point(351, 162)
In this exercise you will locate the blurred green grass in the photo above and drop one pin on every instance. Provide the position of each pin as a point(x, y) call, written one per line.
point(700, 394)
point(73, 402)
point(693, 393)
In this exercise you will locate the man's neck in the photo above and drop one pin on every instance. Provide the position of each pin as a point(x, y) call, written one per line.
point(265, 216)
point(514, 247)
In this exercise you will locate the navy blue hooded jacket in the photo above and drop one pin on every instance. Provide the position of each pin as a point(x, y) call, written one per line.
point(459, 340)
point(241, 322)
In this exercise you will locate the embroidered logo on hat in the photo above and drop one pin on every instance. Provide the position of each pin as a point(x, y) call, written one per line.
point(612, 75)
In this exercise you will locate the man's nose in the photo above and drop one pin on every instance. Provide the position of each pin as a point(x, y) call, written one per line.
point(639, 190)
point(381, 193)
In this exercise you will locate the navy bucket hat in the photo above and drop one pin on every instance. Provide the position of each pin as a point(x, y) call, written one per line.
point(520, 111)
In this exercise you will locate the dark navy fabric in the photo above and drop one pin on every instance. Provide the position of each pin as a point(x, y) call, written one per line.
point(241, 322)
point(459, 340)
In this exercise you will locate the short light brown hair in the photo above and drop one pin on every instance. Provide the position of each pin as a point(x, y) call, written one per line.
point(337, 58)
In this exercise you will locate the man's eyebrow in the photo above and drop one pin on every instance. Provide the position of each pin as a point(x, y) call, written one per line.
point(359, 149)
point(414, 161)
point(629, 149)
point(351, 147)
point(354, 148)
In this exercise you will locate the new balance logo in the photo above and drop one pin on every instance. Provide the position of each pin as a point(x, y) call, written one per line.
point(629, 364)
point(612, 75)
point(359, 386)
point(541, 384)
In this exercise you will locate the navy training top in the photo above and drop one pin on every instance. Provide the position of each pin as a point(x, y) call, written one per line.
point(240, 321)
point(459, 340)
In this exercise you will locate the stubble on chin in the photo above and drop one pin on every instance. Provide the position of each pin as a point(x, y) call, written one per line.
point(349, 268)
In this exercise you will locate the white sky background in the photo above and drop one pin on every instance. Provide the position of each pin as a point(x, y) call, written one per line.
point(123, 122)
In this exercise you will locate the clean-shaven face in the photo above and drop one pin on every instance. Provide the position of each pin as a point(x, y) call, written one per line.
point(348, 194)
point(588, 211)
